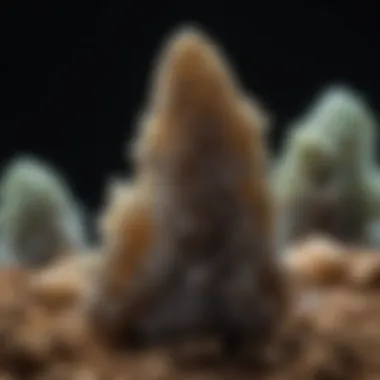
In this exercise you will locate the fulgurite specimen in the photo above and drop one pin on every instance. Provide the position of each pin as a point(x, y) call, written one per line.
point(326, 180)
point(40, 219)
point(190, 251)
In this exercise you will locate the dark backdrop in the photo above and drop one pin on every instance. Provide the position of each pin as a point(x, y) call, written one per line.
point(74, 73)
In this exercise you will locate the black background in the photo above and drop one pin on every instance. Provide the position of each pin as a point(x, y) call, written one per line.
point(74, 74)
